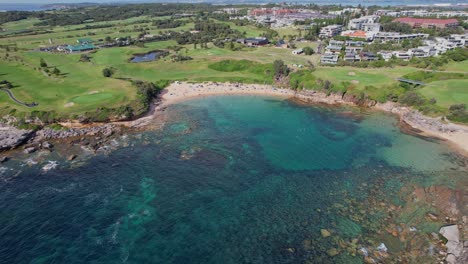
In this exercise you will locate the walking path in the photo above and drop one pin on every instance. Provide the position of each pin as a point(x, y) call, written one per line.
point(12, 97)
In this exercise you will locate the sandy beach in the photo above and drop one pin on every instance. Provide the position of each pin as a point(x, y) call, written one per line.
point(456, 135)
point(180, 91)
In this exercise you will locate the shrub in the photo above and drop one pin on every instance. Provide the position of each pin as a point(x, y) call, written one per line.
point(411, 99)
point(107, 72)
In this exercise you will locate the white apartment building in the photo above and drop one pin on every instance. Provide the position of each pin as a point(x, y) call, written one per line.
point(358, 23)
point(330, 31)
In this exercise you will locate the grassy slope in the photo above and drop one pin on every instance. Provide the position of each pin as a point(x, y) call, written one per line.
point(447, 92)
point(365, 77)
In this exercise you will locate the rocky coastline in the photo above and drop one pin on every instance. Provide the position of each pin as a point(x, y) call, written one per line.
point(457, 135)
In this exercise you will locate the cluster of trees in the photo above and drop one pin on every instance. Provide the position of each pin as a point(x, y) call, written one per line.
point(377, 46)
point(179, 58)
point(6, 84)
point(168, 23)
point(43, 64)
point(99, 13)
point(280, 69)
point(208, 31)
point(458, 113)
point(85, 58)
point(397, 27)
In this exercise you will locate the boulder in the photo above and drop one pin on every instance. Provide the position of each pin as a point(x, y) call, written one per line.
point(451, 259)
point(11, 137)
point(382, 248)
point(29, 150)
point(3, 159)
point(71, 157)
point(47, 145)
point(450, 232)
point(454, 247)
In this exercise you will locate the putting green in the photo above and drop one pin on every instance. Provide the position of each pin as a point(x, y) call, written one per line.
point(91, 98)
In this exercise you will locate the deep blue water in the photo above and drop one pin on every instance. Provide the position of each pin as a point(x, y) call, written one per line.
point(226, 180)
point(20, 7)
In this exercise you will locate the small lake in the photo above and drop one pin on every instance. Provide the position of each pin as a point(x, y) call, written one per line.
point(151, 56)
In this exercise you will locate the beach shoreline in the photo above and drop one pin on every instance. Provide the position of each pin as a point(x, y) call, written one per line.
point(454, 135)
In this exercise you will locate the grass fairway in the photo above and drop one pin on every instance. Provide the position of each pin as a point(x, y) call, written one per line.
point(457, 66)
point(55, 93)
point(447, 92)
point(362, 77)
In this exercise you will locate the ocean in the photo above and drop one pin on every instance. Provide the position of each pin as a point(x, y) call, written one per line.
point(234, 179)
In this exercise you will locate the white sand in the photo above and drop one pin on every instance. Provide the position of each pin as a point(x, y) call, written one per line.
point(180, 91)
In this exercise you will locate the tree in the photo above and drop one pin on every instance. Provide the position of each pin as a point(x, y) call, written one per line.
point(85, 58)
point(56, 71)
point(280, 69)
point(308, 50)
point(42, 63)
point(108, 39)
point(107, 72)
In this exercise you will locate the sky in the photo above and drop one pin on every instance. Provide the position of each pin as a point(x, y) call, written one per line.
point(63, 1)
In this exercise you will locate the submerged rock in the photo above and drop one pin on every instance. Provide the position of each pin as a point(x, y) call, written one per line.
point(382, 248)
point(71, 157)
point(3, 159)
point(333, 252)
point(325, 233)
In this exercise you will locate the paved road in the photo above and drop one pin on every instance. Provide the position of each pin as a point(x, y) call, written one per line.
point(12, 97)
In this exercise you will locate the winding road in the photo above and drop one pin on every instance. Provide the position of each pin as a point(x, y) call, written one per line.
point(12, 97)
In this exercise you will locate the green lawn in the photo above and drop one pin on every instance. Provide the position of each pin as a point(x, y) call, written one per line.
point(55, 93)
point(457, 66)
point(362, 77)
point(447, 92)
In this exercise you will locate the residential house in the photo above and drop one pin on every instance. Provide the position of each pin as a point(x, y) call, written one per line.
point(254, 42)
point(351, 57)
point(424, 52)
point(281, 44)
point(403, 55)
point(368, 56)
point(386, 55)
point(353, 49)
point(298, 51)
point(329, 59)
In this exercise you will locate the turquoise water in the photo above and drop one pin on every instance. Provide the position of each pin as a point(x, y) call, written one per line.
point(227, 180)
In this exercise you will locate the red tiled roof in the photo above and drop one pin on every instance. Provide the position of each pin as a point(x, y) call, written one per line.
point(425, 20)
point(355, 34)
